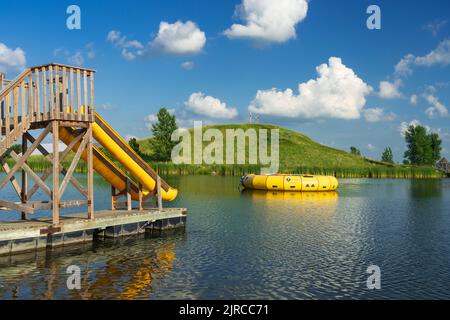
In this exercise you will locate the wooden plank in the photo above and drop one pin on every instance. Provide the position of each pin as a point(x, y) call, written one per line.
point(25, 156)
point(73, 165)
point(24, 189)
point(64, 93)
point(7, 121)
point(24, 118)
point(57, 92)
point(113, 199)
point(55, 193)
point(92, 107)
point(79, 95)
point(51, 91)
point(13, 180)
point(90, 173)
point(140, 195)
point(85, 100)
point(7, 205)
point(32, 174)
point(71, 93)
point(16, 110)
point(44, 94)
point(30, 98)
point(37, 102)
point(158, 188)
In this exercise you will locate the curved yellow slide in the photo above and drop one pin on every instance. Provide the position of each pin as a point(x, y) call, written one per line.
point(127, 157)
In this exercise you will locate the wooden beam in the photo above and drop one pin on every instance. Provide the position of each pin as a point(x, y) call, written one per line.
point(23, 193)
point(49, 157)
point(55, 193)
point(25, 156)
point(13, 180)
point(73, 165)
point(32, 174)
point(158, 188)
point(90, 173)
point(7, 205)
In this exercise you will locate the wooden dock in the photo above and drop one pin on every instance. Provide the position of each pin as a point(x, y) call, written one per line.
point(19, 236)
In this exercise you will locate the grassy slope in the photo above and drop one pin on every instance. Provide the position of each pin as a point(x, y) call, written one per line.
point(296, 150)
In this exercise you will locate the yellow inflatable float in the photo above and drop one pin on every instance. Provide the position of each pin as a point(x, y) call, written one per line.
point(286, 182)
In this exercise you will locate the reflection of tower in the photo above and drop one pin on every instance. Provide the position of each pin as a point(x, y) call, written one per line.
point(253, 117)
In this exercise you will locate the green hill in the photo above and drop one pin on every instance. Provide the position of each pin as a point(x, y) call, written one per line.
point(299, 154)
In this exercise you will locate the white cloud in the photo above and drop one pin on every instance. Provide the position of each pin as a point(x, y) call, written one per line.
point(439, 56)
point(179, 38)
point(413, 99)
point(130, 49)
point(210, 106)
point(12, 59)
point(390, 90)
point(435, 26)
point(405, 125)
point(436, 109)
point(76, 59)
point(371, 147)
point(268, 20)
point(337, 93)
point(188, 65)
point(378, 115)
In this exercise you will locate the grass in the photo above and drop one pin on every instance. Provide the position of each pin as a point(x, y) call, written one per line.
point(298, 154)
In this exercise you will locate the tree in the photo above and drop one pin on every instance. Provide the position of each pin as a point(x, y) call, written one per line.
point(161, 142)
point(135, 146)
point(355, 151)
point(387, 155)
point(435, 147)
point(422, 148)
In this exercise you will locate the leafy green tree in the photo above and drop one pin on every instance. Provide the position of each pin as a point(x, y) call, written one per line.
point(387, 155)
point(161, 142)
point(436, 148)
point(135, 146)
point(355, 151)
point(422, 148)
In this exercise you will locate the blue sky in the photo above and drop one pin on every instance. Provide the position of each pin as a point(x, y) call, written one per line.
point(139, 66)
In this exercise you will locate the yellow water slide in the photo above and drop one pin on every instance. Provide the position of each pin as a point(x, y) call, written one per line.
point(126, 156)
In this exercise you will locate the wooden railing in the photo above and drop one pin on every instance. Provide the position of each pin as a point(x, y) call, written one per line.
point(44, 93)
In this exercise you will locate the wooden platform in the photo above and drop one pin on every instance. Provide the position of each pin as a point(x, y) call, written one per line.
point(19, 236)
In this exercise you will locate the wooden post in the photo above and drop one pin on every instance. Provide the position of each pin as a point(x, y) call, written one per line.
point(23, 194)
point(128, 194)
point(141, 206)
point(113, 199)
point(158, 190)
point(55, 193)
point(90, 178)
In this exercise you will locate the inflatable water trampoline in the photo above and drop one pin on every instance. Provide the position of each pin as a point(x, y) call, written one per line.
point(289, 182)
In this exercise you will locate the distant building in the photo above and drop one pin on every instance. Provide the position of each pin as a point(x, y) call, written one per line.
point(443, 164)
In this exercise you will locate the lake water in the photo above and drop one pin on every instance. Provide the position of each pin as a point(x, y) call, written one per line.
point(260, 245)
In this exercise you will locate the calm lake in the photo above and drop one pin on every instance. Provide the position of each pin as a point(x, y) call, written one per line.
point(260, 245)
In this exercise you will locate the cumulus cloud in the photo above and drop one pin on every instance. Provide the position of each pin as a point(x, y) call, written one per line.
point(390, 90)
point(371, 147)
point(76, 59)
point(179, 38)
point(438, 56)
point(378, 115)
point(209, 106)
point(11, 59)
point(413, 99)
point(403, 127)
point(268, 20)
point(337, 93)
point(436, 109)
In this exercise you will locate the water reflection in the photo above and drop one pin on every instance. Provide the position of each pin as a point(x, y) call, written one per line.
point(109, 270)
